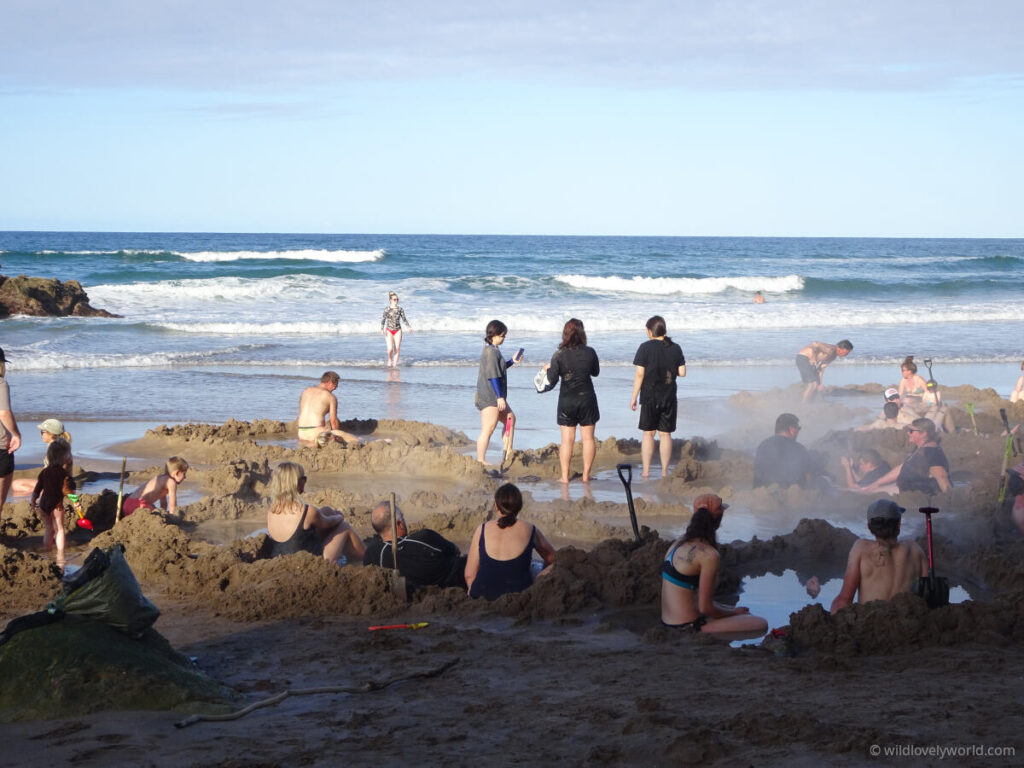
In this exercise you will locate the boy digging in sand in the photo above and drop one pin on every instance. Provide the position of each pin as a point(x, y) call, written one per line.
point(162, 489)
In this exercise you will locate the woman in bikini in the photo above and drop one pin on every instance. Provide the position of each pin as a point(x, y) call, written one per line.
point(295, 526)
point(500, 556)
point(688, 578)
point(912, 387)
point(391, 328)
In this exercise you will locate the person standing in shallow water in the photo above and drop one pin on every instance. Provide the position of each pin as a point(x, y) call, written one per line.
point(391, 328)
point(492, 387)
point(575, 364)
point(659, 362)
point(10, 437)
point(812, 360)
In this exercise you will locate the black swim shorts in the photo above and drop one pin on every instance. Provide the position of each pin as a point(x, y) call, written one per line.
point(808, 373)
point(578, 412)
point(658, 417)
point(690, 626)
point(6, 463)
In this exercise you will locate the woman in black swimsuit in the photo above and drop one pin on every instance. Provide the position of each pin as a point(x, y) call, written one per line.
point(295, 526)
point(689, 573)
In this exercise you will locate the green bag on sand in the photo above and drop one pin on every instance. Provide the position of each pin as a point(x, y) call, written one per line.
point(105, 589)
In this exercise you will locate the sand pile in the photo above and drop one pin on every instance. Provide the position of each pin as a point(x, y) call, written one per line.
point(906, 623)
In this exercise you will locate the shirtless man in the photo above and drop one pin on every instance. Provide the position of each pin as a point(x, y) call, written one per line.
point(812, 360)
point(316, 404)
point(885, 567)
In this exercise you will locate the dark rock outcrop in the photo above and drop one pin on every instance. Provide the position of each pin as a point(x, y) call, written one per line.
point(45, 297)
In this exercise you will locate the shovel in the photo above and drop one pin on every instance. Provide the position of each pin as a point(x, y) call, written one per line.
point(970, 411)
point(627, 480)
point(76, 504)
point(934, 589)
point(1011, 450)
point(398, 588)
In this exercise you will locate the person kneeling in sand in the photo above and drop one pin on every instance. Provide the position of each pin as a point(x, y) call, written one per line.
point(316, 404)
point(425, 557)
point(885, 567)
point(162, 489)
point(689, 573)
point(294, 526)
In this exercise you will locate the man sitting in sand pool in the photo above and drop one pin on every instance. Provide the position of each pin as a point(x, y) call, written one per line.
point(812, 360)
point(162, 489)
point(884, 567)
point(425, 557)
point(781, 460)
point(316, 404)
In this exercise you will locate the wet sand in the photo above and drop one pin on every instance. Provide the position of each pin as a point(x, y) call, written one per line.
point(576, 669)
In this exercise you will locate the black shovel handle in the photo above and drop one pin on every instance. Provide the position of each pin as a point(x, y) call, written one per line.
point(627, 480)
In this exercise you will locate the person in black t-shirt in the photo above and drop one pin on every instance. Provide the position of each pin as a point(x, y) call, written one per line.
point(425, 557)
point(659, 361)
point(575, 364)
point(781, 460)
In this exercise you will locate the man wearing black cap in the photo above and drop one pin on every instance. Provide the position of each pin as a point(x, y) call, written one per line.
point(884, 567)
point(10, 437)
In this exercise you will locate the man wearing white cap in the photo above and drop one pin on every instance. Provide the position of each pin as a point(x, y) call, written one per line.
point(10, 437)
point(885, 566)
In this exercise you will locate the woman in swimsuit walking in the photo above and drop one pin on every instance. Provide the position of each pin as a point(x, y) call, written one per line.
point(689, 574)
point(391, 328)
point(295, 526)
point(500, 555)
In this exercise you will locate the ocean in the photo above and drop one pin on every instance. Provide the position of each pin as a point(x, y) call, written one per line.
point(234, 325)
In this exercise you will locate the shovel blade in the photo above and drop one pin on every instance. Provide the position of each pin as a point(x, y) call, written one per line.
point(934, 590)
point(85, 523)
point(398, 586)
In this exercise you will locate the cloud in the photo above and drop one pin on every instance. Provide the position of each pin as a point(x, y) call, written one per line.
point(729, 44)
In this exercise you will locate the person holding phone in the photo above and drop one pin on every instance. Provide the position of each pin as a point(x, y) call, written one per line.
point(492, 387)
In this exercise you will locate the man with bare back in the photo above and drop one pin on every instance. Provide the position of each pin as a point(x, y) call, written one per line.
point(884, 567)
point(316, 404)
point(812, 360)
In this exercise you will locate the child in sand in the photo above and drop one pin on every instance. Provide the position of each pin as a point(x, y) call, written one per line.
point(163, 489)
point(53, 485)
point(1018, 391)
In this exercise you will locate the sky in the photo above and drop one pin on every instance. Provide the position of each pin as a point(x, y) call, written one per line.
point(594, 117)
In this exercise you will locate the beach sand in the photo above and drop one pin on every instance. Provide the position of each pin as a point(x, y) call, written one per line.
point(576, 670)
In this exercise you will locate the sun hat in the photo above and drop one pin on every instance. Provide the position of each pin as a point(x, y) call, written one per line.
point(53, 426)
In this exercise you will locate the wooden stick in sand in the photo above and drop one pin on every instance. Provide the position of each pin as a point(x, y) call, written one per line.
point(120, 492)
point(366, 687)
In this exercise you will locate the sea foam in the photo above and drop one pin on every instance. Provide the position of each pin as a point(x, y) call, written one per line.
point(336, 257)
point(665, 286)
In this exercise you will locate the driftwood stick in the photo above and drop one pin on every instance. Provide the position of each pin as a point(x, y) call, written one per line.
point(371, 685)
